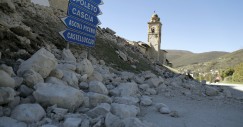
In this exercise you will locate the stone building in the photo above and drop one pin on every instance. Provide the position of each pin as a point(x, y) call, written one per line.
point(154, 38)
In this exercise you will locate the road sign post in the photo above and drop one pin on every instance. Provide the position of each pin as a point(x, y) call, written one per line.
point(81, 22)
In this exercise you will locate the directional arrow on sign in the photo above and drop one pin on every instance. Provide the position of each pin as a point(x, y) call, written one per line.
point(88, 6)
point(77, 25)
point(75, 37)
point(75, 11)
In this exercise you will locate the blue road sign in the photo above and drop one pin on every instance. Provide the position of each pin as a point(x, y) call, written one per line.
point(99, 2)
point(75, 37)
point(75, 11)
point(88, 6)
point(77, 25)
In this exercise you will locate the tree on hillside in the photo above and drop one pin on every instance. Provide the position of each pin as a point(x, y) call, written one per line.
point(238, 74)
point(228, 72)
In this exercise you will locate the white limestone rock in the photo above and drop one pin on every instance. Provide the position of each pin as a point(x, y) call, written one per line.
point(31, 78)
point(146, 101)
point(54, 80)
point(25, 91)
point(211, 91)
point(126, 89)
point(96, 76)
point(154, 82)
point(71, 78)
point(67, 55)
point(112, 121)
point(96, 98)
point(56, 73)
point(151, 91)
point(72, 122)
point(144, 86)
point(126, 100)
point(9, 122)
point(28, 113)
point(67, 66)
point(98, 87)
point(101, 110)
point(64, 96)
point(164, 110)
point(139, 79)
point(83, 85)
point(124, 111)
point(7, 69)
point(42, 62)
point(6, 80)
point(85, 67)
point(6, 95)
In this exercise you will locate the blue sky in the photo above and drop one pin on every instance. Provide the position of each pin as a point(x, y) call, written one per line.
point(194, 25)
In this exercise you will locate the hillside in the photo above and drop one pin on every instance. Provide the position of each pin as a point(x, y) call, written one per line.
point(181, 58)
point(223, 62)
point(175, 54)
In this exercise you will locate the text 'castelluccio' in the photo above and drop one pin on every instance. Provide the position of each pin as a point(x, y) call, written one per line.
point(80, 38)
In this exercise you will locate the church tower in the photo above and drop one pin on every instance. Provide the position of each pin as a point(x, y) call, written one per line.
point(154, 37)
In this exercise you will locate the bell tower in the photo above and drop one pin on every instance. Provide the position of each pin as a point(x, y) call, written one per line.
point(154, 37)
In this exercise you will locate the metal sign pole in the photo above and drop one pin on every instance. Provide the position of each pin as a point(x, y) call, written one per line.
point(67, 45)
point(88, 55)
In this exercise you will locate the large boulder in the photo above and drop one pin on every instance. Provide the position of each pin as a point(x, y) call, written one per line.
point(6, 80)
point(9, 122)
point(211, 91)
point(42, 62)
point(96, 98)
point(31, 78)
point(28, 113)
point(124, 111)
point(64, 96)
point(6, 95)
point(68, 56)
point(98, 87)
point(154, 82)
point(126, 89)
point(85, 67)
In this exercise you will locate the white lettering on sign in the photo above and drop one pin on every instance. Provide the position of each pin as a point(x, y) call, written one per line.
point(82, 15)
point(80, 38)
point(87, 5)
point(75, 24)
point(89, 29)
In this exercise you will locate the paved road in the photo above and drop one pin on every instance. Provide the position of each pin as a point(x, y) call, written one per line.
point(236, 89)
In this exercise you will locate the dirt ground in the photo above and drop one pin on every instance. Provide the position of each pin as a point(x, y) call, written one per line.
point(199, 112)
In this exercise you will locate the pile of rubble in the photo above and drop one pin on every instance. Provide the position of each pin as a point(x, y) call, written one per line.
point(72, 92)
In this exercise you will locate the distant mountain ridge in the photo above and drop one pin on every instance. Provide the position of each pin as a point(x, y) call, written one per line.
point(182, 57)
